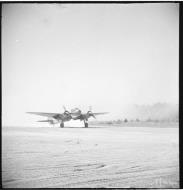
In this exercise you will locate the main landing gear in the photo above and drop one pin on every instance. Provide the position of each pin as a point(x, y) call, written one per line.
point(86, 123)
point(62, 124)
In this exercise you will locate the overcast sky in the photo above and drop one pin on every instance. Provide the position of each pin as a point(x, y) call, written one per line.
point(104, 55)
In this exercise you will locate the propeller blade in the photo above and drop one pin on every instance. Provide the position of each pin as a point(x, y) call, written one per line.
point(64, 108)
point(90, 108)
point(93, 116)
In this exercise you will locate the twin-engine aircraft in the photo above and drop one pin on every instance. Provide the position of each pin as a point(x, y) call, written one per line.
point(75, 114)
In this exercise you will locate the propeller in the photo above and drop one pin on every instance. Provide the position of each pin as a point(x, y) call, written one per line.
point(65, 110)
point(90, 112)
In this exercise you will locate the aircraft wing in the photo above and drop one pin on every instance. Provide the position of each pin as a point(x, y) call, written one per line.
point(44, 114)
point(101, 113)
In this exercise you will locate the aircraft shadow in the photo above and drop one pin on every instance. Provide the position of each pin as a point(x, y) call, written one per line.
point(88, 127)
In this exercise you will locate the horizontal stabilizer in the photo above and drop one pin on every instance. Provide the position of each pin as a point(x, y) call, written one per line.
point(100, 113)
point(44, 121)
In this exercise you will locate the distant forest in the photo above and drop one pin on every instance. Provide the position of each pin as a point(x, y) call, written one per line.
point(159, 112)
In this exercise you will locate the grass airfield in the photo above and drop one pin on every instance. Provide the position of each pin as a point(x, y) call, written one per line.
point(98, 156)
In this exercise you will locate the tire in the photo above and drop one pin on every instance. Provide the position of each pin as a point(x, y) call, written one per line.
point(62, 125)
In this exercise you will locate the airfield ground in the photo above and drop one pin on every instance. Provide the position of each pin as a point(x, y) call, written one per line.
point(136, 157)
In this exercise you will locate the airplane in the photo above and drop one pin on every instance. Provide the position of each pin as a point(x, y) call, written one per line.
point(75, 114)
point(54, 118)
point(78, 115)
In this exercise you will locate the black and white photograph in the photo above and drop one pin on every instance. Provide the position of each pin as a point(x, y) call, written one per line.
point(90, 95)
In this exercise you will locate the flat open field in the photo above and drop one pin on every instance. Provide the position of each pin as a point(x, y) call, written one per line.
point(136, 157)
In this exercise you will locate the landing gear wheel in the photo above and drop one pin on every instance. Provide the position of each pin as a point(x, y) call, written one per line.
point(86, 124)
point(62, 125)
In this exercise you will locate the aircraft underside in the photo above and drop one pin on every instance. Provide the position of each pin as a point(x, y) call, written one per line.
point(85, 124)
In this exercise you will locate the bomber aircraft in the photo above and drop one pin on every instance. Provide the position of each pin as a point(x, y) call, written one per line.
point(75, 114)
